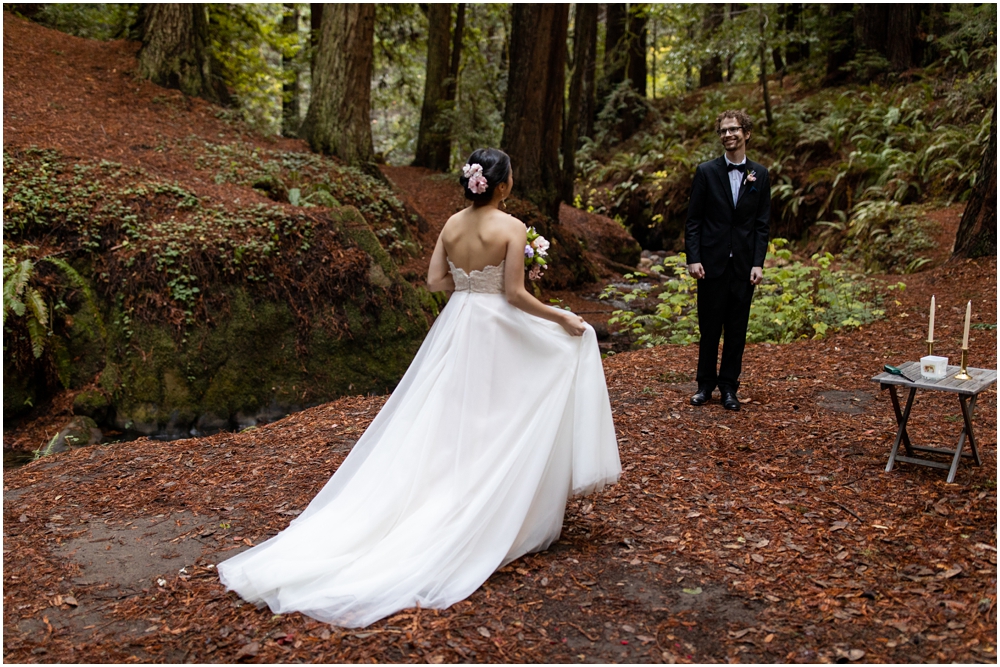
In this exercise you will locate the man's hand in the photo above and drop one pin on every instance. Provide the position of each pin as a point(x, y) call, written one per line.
point(756, 275)
point(696, 270)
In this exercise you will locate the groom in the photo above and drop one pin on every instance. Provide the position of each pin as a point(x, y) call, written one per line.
point(726, 241)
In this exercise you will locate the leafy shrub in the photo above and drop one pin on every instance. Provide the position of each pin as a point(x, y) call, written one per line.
point(797, 301)
point(35, 304)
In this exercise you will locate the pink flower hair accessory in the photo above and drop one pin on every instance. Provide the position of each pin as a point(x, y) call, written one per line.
point(477, 182)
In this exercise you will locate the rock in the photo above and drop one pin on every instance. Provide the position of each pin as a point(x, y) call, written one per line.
point(93, 404)
point(79, 432)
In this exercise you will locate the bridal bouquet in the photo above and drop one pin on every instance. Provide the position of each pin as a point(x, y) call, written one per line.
point(535, 252)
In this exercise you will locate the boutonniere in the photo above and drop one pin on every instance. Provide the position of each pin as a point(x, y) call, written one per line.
point(750, 177)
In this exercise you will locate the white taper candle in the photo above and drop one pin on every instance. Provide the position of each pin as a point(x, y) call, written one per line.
point(930, 325)
point(968, 319)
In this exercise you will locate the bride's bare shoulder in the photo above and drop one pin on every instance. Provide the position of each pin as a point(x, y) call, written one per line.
point(509, 223)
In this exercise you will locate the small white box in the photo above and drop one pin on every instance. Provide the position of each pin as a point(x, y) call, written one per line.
point(933, 368)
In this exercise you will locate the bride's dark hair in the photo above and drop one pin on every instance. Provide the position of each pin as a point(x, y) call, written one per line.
point(496, 169)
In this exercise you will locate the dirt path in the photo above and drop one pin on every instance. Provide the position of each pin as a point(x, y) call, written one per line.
point(770, 535)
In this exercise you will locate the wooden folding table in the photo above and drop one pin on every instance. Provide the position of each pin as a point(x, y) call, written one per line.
point(968, 391)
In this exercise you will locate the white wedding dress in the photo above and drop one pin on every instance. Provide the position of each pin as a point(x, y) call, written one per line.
point(501, 417)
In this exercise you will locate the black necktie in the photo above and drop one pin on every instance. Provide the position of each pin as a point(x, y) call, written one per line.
point(738, 167)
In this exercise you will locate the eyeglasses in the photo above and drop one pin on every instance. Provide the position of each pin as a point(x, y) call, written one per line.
point(729, 130)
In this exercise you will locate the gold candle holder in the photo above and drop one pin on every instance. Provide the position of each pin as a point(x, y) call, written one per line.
point(963, 374)
point(930, 348)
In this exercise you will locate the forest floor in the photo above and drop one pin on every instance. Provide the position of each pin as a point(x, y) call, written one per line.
point(768, 535)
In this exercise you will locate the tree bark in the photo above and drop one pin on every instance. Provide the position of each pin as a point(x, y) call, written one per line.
point(339, 118)
point(901, 45)
point(711, 68)
point(174, 51)
point(290, 88)
point(430, 135)
point(315, 21)
point(580, 95)
point(841, 44)
point(638, 18)
point(588, 97)
point(615, 48)
point(977, 232)
point(871, 20)
point(534, 109)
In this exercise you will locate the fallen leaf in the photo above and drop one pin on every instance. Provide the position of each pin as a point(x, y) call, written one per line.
point(693, 591)
point(248, 651)
point(483, 631)
point(757, 558)
point(70, 600)
point(855, 654)
point(769, 638)
point(949, 573)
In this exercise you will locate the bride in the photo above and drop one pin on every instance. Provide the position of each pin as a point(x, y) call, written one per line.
point(501, 417)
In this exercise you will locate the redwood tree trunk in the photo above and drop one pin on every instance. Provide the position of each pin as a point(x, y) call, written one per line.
point(871, 20)
point(977, 232)
point(581, 90)
point(902, 47)
point(430, 134)
point(615, 56)
point(638, 18)
point(339, 118)
point(174, 51)
point(841, 44)
point(534, 109)
point(711, 68)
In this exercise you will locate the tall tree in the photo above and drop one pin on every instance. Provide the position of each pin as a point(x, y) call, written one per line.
point(289, 64)
point(581, 90)
point(902, 47)
point(315, 21)
point(615, 48)
point(710, 71)
point(534, 109)
point(840, 44)
point(174, 51)
point(635, 69)
point(338, 121)
point(977, 232)
point(430, 137)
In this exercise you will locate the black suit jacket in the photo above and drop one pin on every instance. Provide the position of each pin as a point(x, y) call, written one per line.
point(716, 228)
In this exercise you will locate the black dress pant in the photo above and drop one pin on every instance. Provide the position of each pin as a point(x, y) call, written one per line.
point(723, 307)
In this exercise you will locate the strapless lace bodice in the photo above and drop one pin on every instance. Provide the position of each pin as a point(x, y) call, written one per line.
point(487, 281)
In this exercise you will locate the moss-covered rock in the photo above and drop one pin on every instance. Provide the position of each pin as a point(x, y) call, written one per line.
point(79, 432)
point(254, 363)
point(93, 404)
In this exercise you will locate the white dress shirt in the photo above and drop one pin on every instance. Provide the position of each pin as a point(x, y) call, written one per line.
point(735, 179)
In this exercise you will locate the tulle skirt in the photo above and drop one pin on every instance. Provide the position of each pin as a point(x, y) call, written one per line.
point(499, 419)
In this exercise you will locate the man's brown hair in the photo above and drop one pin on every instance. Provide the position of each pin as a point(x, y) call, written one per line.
point(741, 117)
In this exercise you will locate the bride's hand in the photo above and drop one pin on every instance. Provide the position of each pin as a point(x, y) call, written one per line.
point(573, 324)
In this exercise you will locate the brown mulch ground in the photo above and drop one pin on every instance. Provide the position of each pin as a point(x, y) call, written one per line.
point(769, 535)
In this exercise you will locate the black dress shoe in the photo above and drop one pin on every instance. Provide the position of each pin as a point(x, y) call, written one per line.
point(729, 400)
point(701, 397)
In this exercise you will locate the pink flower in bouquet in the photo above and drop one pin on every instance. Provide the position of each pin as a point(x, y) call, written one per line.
point(541, 245)
point(535, 273)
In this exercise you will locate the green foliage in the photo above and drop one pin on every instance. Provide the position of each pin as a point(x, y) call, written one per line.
point(797, 301)
point(97, 20)
point(888, 237)
point(153, 246)
point(397, 84)
point(247, 41)
point(36, 303)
